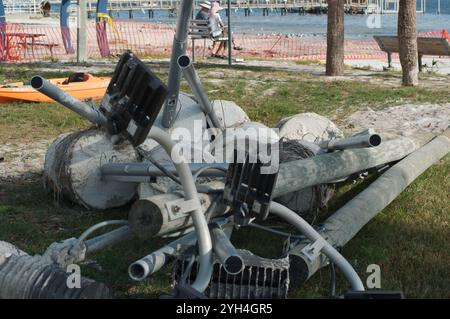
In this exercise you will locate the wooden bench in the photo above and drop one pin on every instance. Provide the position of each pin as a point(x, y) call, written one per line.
point(200, 30)
point(425, 46)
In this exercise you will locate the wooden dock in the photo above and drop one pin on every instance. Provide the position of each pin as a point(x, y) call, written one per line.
point(302, 6)
point(306, 5)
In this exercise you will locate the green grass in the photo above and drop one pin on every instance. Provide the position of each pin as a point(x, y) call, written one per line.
point(409, 239)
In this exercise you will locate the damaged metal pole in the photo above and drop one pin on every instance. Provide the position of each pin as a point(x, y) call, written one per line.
point(364, 139)
point(178, 49)
point(348, 220)
point(52, 91)
point(144, 267)
point(228, 255)
point(326, 168)
point(184, 62)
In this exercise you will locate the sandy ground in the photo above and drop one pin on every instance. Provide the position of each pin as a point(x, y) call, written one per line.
point(431, 64)
point(352, 73)
point(22, 161)
point(402, 120)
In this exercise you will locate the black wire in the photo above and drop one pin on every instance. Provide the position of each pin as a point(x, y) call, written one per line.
point(332, 280)
point(333, 276)
point(188, 269)
point(204, 168)
point(212, 207)
point(159, 166)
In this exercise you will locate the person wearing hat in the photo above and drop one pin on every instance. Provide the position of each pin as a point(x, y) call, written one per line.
point(218, 30)
point(203, 14)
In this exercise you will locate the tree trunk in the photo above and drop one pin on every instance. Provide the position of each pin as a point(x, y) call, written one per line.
point(407, 41)
point(335, 38)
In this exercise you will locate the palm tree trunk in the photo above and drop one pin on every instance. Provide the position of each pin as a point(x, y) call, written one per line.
point(407, 41)
point(335, 38)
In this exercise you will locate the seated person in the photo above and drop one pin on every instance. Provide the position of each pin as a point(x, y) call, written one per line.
point(218, 30)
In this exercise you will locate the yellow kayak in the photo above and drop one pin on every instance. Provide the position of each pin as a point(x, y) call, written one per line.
point(80, 85)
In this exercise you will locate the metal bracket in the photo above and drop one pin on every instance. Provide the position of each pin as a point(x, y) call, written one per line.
point(313, 250)
point(65, 253)
point(181, 208)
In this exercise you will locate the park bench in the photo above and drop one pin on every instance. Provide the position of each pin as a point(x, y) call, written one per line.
point(200, 30)
point(425, 46)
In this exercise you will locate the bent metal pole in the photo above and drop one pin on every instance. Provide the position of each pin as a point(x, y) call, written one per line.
point(199, 220)
point(306, 229)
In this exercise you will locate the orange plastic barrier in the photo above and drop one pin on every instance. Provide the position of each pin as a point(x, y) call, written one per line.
point(30, 43)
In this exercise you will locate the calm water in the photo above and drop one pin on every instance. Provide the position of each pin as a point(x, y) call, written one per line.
point(356, 26)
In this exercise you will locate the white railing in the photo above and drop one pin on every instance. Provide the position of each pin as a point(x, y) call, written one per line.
point(21, 6)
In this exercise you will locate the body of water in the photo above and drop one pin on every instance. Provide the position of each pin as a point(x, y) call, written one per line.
point(356, 26)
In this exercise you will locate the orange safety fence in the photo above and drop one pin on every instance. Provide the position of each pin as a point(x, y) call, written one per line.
point(31, 43)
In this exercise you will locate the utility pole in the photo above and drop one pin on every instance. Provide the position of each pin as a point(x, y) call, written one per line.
point(230, 40)
point(82, 32)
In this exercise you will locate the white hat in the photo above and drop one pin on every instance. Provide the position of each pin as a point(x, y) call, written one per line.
point(205, 4)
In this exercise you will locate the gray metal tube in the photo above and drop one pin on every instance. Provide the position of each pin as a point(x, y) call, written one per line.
point(82, 27)
point(306, 229)
point(225, 251)
point(113, 237)
point(148, 169)
point(348, 220)
point(95, 227)
point(178, 48)
point(185, 63)
point(190, 193)
point(343, 225)
point(153, 216)
point(357, 141)
point(90, 113)
point(326, 168)
point(144, 267)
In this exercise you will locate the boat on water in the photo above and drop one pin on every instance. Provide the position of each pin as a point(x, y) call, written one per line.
point(82, 86)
